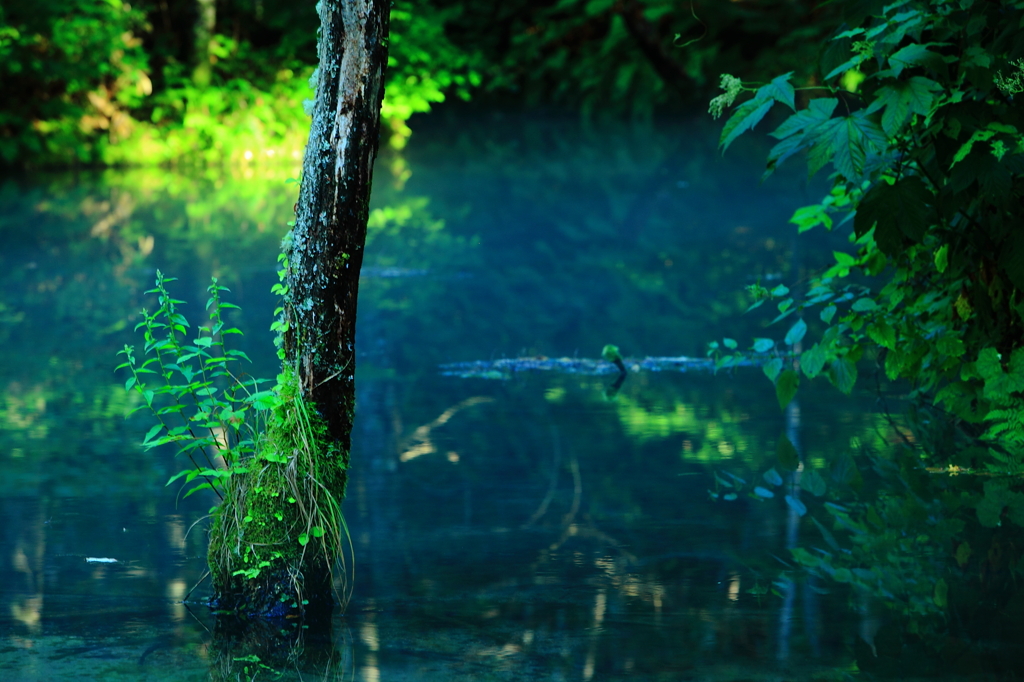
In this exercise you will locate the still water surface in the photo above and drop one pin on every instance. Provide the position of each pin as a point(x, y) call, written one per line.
point(522, 527)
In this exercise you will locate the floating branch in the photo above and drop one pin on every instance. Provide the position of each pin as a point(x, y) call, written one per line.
point(506, 367)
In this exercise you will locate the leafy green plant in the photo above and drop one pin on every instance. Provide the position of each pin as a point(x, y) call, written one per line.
point(255, 448)
point(916, 115)
point(202, 401)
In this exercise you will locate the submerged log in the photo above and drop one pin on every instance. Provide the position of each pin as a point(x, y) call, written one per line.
point(276, 536)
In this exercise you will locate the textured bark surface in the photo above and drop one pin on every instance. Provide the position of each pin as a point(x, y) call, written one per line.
point(325, 252)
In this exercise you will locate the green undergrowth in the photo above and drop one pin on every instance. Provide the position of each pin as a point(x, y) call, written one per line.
point(283, 508)
point(264, 452)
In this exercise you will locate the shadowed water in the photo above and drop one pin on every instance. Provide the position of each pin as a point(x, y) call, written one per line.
point(520, 526)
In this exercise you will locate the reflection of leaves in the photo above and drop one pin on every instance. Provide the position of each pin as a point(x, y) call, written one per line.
point(796, 333)
point(786, 386)
point(772, 477)
point(788, 457)
point(812, 482)
point(845, 471)
point(998, 497)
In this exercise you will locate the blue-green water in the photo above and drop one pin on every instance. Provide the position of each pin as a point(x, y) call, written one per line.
point(525, 528)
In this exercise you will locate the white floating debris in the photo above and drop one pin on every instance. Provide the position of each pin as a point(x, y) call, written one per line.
point(99, 560)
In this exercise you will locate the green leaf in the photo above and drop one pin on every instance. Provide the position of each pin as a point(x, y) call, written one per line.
point(780, 90)
point(805, 558)
point(317, 531)
point(914, 54)
point(772, 369)
point(853, 139)
point(745, 117)
point(882, 333)
point(796, 333)
point(763, 345)
point(827, 534)
point(950, 345)
point(151, 433)
point(772, 477)
point(788, 459)
point(864, 305)
point(729, 343)
point(896, 211)
point(941, 594)
point(812, 361)
point(786, 386)
point(195, 489)
point(128, 384)
point(812, 482)
point(800, 131)
point(303, 539)
point(942, 258)
point(796, 505)
point(827, 313)
point(264, 400)
point(903, 98)
point(763, 493)
point(809, 217)
point(175, 477)
point(843, 374)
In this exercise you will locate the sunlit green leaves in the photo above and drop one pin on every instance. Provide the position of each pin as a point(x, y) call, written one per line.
point(942, 258)
point(194, 412)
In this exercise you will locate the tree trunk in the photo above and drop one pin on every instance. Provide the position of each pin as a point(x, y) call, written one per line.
point(277, 534)
point(206, 21)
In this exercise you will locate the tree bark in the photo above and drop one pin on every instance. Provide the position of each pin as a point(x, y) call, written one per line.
point(206, 22)
point(268, 524)
point(325, 252)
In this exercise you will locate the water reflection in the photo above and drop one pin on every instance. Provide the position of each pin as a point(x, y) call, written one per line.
point(535, 527)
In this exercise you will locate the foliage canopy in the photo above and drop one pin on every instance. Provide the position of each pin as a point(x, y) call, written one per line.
point(919, 117)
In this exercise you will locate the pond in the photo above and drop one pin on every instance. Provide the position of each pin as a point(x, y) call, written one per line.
point(519, 525)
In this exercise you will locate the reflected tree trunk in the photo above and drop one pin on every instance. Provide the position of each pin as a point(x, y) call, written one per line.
point(206, 21)
point(277, 535)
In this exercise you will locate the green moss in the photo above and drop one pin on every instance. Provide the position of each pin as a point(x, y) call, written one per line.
point(282, 518)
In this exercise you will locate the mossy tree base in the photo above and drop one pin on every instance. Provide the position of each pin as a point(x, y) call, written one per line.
point(279, 531)
point(277, 534)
